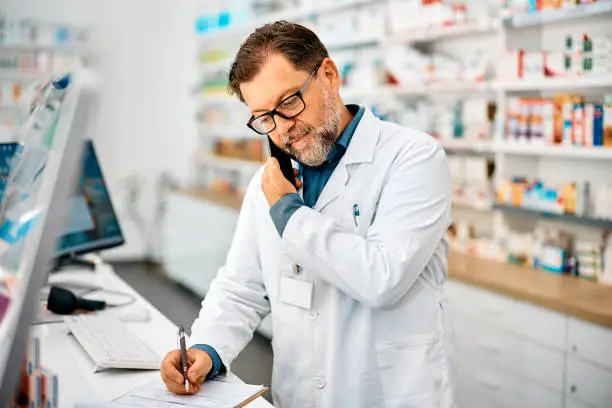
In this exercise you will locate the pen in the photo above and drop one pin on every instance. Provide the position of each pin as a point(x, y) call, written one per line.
point(181, 334)
point(355, 213)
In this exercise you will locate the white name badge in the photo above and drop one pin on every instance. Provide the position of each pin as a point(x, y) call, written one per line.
point(296, 292)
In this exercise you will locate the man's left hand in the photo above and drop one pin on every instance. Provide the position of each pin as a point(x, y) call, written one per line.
point(274, 184)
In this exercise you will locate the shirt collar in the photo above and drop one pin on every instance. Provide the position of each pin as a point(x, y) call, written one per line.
point(347, 133)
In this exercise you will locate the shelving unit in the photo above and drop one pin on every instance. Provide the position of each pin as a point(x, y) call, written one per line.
point(206, 158)
point(220, 65)
point(12, 74)
point(438, 33)
point(470, 206)
point(358, 41)
point(292, 14)
point(229, 131)
point(507, 156)
point(416, 90)
point(574, 219)
point(72, 49)
point(232, 201)
point(601, 8)
point(555, 84)
point(469, 147)
point(595, 153)
point(208, 99)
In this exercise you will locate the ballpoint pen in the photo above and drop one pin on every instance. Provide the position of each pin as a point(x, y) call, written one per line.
point(181, 333)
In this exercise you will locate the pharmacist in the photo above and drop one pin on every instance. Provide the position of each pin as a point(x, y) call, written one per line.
point(351, 267)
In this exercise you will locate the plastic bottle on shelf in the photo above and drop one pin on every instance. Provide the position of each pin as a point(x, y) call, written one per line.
point(606, 276)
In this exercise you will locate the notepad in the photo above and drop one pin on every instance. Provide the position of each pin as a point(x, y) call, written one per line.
point(214, 394)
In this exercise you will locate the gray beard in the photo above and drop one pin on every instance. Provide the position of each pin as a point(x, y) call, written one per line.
point(324, 138)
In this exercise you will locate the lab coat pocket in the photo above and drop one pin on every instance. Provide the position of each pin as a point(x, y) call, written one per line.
point(410, 371)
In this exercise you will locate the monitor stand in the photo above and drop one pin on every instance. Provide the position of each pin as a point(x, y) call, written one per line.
point(73, 260)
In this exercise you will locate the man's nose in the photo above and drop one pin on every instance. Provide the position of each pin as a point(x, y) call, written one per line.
point(284, 126)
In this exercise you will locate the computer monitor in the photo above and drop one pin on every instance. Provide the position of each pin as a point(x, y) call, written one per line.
point(43, 176)
point(92, 223)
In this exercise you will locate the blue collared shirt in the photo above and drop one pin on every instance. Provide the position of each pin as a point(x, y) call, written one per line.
point(315, 178)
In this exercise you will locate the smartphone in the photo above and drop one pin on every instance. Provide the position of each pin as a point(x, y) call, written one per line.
point(284, 160)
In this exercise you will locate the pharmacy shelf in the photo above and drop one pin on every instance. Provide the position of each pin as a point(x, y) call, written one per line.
point(379, 92)
point(434, 33)
point(467, 147)
point(570, 218)
point(462, 205)
point(555, 84)
point(12, 74)
point(415, 90)
point(73, 49)
point(355, 42)
point(458, 86)
point(9, 106)
point(223, 65)
point(601, 8)
point(229, 200)
point(411, 90)
point(228, 131)
point(206, 158)
point(217, 99)
point(290, 15)
point(601, 153)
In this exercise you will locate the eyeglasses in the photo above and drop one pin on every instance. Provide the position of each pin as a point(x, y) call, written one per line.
point(288, 108)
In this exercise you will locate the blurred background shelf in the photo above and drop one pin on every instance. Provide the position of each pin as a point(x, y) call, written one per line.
point(556, 84)
point(471, 206)
point(290, 14)
point(228, 131)
point(209, 159)
point(468, 147)
point(217, 99)
point(355, 42)
point(602, 153)
point(415, 90)
point(73, 49)
point(224, 199)
point(440, 32)
point(13, 74)
point(601, 8)
point(570, 218)
point(215, 66)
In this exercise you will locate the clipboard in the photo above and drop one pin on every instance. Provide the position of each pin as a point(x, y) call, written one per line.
point(214, 393)
point(254, 397)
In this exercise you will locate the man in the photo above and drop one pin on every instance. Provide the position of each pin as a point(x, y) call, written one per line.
point(352, 268)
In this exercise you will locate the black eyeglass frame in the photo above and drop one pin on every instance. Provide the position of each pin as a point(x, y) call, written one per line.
point(273, 112)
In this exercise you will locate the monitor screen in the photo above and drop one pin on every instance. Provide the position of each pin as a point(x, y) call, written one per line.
point(92, 224)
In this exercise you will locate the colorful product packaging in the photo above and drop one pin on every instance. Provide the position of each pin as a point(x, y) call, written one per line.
point(606, 121)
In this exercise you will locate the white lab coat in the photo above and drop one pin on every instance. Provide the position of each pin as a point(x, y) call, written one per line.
point(375, 334)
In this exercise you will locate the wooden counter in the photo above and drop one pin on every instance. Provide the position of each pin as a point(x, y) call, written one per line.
point(576, 297)
point(573, 296)
point(229, 200)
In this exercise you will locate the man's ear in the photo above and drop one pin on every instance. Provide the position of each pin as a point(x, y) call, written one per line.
point(330, 72)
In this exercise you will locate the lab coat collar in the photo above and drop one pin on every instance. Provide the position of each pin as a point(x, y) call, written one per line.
point(360, 150)
point(365, 138)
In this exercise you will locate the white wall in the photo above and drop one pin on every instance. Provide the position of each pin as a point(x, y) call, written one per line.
point(145, 51)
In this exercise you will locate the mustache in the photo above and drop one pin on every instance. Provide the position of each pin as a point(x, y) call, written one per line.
point(295, 135)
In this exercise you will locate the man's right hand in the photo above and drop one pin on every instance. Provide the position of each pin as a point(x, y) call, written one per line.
point(200, 365)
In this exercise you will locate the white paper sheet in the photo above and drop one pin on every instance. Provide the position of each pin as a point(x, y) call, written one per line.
point(214, 394)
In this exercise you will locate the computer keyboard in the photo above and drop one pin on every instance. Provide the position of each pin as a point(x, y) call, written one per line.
point(111, 344)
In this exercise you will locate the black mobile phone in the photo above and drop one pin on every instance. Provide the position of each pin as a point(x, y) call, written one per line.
point(284, 160)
